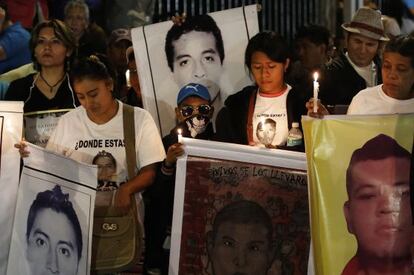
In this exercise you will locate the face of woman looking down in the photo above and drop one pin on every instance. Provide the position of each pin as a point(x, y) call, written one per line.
point(96, 97)
point(268, 74)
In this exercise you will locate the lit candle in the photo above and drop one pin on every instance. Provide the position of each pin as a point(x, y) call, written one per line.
point(180, 136)
point(127, 77)
point(315, 92)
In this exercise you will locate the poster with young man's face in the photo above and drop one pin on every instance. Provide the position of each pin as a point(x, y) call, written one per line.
point(239, 211)
point(52, 229)
point(360, 193)
point(206, 49)
point(11, 124)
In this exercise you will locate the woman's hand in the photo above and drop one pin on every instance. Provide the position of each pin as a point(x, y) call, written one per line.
point(123, 199)
point(321, 111)
point(22, 146)
point(174, 151)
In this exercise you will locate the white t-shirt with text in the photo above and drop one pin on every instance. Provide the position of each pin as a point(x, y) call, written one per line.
point(270, 122)
point(79, 138)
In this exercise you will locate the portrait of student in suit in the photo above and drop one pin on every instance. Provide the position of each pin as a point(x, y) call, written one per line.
point(378, 211)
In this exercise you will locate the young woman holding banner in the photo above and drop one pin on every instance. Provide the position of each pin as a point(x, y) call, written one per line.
point(94, 133)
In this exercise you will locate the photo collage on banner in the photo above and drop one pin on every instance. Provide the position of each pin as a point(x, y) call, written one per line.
point(239, 210)
point(52, 230)
point(11, 125)
point(205, 50)
point(361, 216)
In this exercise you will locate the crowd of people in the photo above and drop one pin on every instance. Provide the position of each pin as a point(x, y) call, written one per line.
point(74, 64)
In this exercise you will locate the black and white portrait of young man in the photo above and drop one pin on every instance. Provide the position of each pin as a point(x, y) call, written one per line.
point(52, 225)
point(203, 49)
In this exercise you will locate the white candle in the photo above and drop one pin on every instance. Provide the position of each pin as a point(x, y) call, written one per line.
point(315, 92)
point(128, 81)
point(180, 136)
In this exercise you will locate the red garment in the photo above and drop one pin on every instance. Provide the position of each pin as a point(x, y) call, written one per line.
point(24, 11)
point(352, 267)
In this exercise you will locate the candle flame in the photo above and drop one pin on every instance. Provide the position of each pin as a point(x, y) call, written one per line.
point(179, 131)
point(127, 77)
point(315, 76)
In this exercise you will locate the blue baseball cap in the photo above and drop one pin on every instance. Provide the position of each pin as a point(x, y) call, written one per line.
point(193, 89)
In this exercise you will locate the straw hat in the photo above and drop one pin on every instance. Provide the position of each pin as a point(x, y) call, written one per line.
point(367, 22)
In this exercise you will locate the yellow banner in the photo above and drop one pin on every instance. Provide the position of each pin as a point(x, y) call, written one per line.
point(330, 143)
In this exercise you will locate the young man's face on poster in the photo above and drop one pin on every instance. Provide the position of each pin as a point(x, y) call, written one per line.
point(196, 60)
point(241, 248)
point(106, 168)
point(266, 132)
point(378, 210)
point(52, 249)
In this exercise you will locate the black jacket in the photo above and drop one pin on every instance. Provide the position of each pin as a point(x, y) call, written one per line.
point(23, 89)
point(339, 82)
point(232, 120)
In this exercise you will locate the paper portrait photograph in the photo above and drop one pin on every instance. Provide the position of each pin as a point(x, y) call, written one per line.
point(204, 49)
point(53, 219)
point(361, 216)
point(11, 124)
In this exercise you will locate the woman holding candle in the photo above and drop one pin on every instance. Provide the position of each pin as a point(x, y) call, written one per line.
point(267, 58)
point(396, 94)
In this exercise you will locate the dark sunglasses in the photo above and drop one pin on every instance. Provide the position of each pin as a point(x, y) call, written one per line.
point(188, 110)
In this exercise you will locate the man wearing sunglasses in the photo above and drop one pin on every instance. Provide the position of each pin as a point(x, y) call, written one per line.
point(193, 114)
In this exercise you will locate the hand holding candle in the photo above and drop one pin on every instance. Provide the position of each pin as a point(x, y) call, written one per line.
point(315, 92)
point(180, 136)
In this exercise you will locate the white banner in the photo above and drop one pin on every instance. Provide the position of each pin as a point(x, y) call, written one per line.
point(194, 60)
point(11, 124)
point(52, 229)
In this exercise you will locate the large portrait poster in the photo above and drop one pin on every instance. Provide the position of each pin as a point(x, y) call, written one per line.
point(52, 229)
point(207, 49)
point(359, 172)
point(38, 126)
point(11, 124)
point(239, 210)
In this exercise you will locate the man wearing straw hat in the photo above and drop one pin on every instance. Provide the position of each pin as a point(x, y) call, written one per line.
point(359, 66)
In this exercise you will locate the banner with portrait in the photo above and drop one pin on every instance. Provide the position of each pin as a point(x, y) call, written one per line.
point(38, 126)
point(52, 229)
point(239, 210)
point(11, 125)
point(207, 49)
point(359, 186)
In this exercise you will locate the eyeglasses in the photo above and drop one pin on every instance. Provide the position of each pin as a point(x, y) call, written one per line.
point(188, 110)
